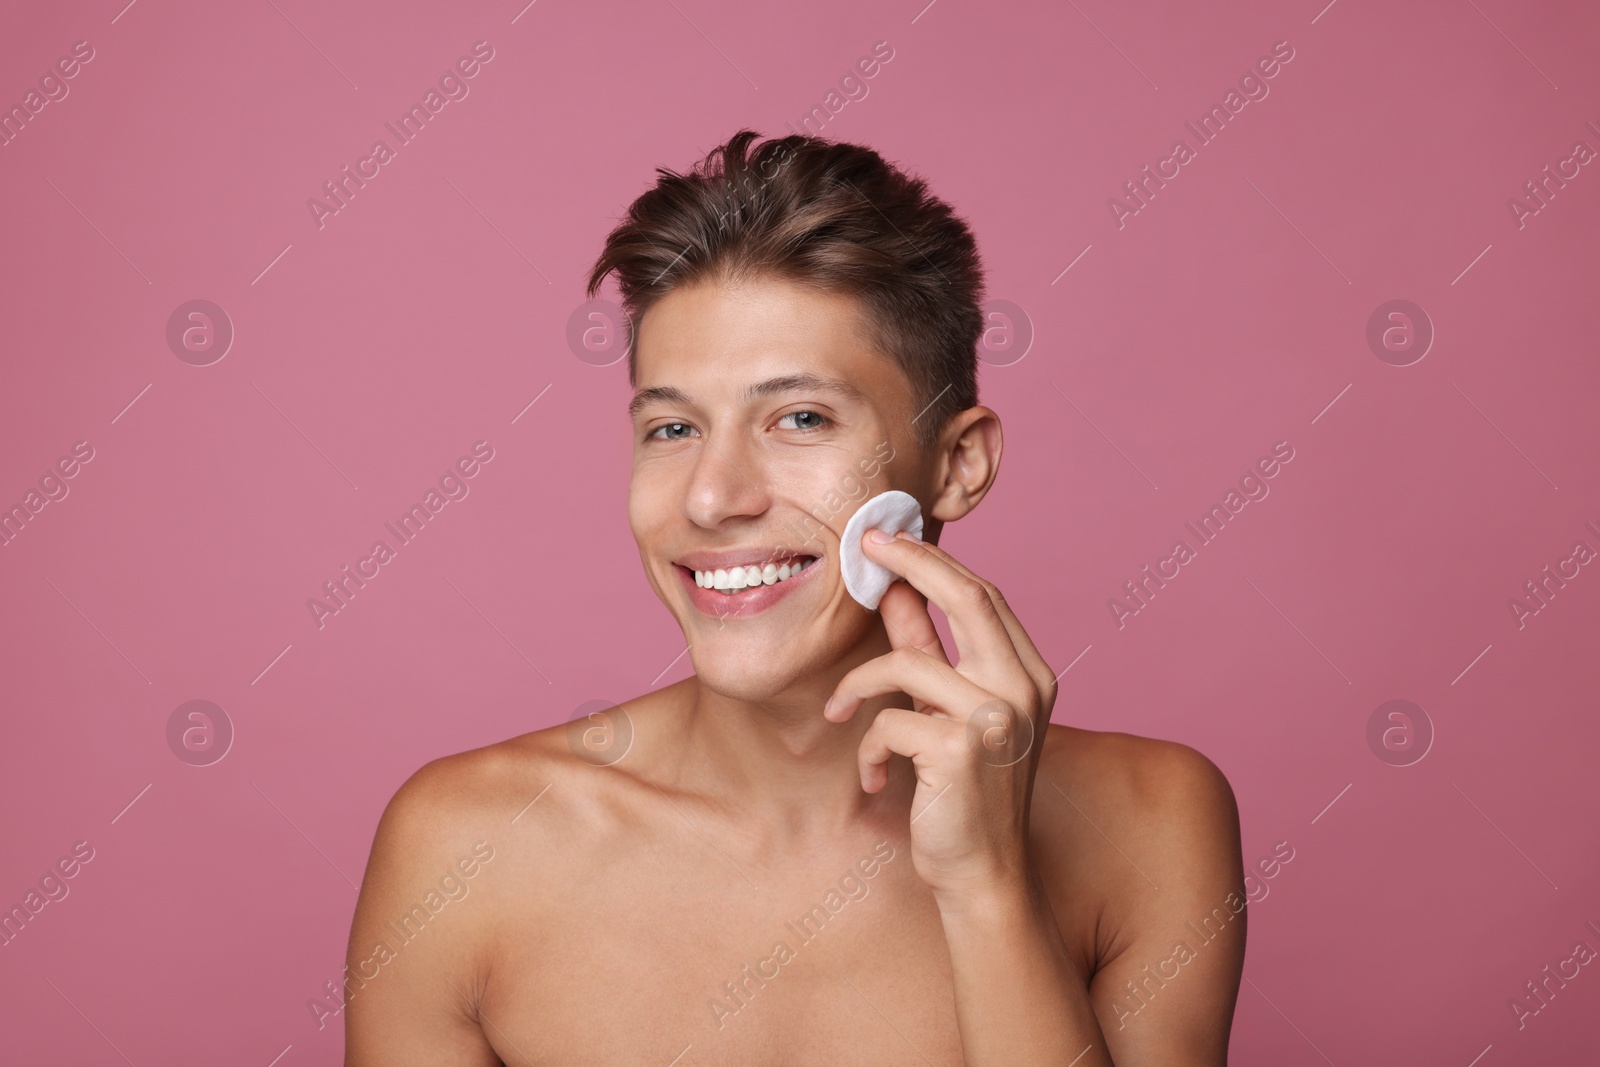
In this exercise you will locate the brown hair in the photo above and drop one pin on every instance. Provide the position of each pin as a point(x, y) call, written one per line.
point(832, 216)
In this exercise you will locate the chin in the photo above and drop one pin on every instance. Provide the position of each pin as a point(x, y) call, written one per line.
point(754, 668)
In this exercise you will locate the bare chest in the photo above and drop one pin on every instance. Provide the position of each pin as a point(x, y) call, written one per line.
point(689, 964)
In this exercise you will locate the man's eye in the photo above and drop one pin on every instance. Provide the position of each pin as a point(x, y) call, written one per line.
point(672, 431)
point(804, 420)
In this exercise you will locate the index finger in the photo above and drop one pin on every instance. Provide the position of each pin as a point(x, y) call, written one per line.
point(975, 623)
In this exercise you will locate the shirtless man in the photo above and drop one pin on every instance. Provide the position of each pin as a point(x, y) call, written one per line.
point(828, 845)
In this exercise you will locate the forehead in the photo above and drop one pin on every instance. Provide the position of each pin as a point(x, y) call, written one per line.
point(737, 332)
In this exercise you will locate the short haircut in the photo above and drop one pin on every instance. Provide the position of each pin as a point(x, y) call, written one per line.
point(830, 216)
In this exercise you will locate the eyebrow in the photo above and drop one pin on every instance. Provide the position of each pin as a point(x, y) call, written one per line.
point(788, 383)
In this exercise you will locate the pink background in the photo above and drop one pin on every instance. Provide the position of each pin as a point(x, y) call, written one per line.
point(370, 353)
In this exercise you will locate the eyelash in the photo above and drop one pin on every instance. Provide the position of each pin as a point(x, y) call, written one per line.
point(655, 434)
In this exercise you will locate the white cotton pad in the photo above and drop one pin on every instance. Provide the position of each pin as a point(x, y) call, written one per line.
point(891, 511)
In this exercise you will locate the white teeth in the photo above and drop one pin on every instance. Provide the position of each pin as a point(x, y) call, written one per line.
point(747, 577)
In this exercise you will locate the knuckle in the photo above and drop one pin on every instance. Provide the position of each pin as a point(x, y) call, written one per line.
point(976, 595)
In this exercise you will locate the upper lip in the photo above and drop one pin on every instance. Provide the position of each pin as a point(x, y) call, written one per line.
point(739, 557)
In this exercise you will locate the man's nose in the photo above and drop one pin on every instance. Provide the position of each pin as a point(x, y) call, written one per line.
point(727, 482)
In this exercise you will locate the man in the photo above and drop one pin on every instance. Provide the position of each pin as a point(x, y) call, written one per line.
point(828, 845)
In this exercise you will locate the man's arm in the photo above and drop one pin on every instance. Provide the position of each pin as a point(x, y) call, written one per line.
point(1149, 1004)
point(411, 976)
point(1168, 994)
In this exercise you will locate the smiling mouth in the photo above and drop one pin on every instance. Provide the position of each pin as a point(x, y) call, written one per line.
point(734, 580)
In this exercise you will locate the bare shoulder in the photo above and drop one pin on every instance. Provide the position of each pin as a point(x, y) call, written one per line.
point(1120, 819)
point(1138, 842)
point(1171, 783)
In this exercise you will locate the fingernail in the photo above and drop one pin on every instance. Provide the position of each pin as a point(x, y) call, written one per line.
point(879, 537)
point(909, 536)
point(827, 707)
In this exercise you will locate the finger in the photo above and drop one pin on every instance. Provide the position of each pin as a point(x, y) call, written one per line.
point(898, 732)
point(1036, 666)
point(905, 616)
point(914, 673)
point(979, 632)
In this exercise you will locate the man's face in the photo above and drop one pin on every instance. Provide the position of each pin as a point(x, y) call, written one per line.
point(761, 424)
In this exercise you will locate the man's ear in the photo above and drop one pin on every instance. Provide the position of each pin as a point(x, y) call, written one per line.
point(967, 462)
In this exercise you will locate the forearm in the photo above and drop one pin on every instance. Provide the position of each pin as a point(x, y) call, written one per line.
point(1020, 998)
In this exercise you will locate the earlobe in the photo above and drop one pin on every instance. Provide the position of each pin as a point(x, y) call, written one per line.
point(968, 464)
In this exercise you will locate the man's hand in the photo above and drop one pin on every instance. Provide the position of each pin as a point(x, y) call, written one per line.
point(972, 733)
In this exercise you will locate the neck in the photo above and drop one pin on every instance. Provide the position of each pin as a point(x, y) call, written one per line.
point(782, 763)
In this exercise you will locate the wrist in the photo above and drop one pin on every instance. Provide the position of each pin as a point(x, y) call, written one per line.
point(993, 901)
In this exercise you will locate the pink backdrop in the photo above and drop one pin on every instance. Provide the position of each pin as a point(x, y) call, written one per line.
point(1175, 341)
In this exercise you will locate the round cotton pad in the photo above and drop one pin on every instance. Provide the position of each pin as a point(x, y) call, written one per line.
point(891, 511)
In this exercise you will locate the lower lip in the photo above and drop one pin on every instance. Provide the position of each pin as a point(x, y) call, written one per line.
point(747, 602)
